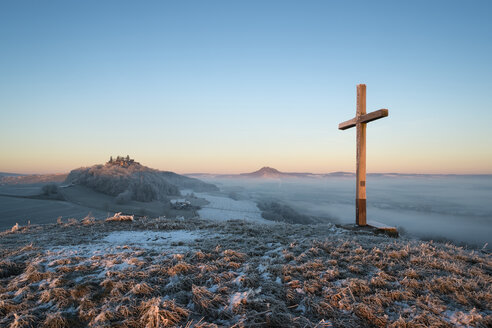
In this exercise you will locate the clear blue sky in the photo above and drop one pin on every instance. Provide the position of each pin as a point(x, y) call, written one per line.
point(230, 86)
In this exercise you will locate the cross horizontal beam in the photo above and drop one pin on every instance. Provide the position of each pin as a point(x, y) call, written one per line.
point(366, 118)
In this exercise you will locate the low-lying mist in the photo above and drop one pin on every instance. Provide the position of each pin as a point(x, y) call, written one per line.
point(458, 208)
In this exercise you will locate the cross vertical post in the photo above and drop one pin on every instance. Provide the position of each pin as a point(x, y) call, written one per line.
point(360, 201)
point(360, 122)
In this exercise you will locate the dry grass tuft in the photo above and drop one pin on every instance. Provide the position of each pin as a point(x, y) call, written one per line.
point(368, 314)
point(359, 286)
point(88, 220)
point(7, 306)
point(142, 289)
point(200, 324)
point(234, 255)
point(103, 318)
point(32, 274)
point(157, 313)
point(55, 320)
point(15, 228)
point(205, 301)
point(71, 222)
point(9, 268)
point(180, 268)
point(59, 296)
point(23, 321)
point(118, 217)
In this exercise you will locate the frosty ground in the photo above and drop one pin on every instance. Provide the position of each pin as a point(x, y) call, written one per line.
point(198, 273)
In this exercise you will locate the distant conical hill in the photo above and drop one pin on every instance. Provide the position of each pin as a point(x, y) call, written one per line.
point(264, 172)
point(130, 179)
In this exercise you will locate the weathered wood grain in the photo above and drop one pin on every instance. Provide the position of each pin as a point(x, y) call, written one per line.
point(376, 115)
point(360, 122)
point(347, 124)
point(361, 157)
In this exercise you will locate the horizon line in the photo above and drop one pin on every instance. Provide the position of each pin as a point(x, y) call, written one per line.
point(293, 172)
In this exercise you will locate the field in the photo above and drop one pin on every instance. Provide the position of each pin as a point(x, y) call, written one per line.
point(21, 210)
point(198, 273)
point(17, 207)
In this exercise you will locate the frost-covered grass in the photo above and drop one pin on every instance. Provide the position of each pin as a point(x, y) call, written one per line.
point(197, 273)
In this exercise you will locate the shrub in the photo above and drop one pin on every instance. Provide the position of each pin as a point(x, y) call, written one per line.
point(275, 211)
point(50, 189)
point(124, 197)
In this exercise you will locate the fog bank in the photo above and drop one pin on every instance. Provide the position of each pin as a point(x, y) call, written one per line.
point(458, 208)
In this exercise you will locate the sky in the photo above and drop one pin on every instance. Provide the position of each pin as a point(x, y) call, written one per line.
point(231, 86)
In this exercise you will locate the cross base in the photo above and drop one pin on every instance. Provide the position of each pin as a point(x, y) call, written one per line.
point(360, 212)
point(383, 228)
point(374, 227)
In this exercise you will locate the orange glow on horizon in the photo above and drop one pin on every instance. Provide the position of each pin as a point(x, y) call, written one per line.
point(235, 165)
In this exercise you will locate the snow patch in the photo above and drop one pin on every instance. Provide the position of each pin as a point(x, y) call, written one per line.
point(151, 239)
point(238, 298)
point(224, 208)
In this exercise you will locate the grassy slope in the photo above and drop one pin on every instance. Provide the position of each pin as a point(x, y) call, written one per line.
point(238, 273)
point(39, 211)
point(87, 197)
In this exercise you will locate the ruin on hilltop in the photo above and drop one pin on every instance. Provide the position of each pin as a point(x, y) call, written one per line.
point(122, 161)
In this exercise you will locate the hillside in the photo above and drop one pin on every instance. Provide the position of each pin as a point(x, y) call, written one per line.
point(196, 273)
point(264, 172)
point(131, 180)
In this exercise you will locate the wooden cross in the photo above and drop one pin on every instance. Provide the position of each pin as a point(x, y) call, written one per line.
point(360, 120)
